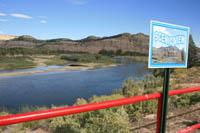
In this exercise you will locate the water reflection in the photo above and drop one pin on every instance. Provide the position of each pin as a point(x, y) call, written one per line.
point(33, 69)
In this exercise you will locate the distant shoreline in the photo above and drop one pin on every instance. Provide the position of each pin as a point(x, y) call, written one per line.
point(83, 66)
point(46, 61)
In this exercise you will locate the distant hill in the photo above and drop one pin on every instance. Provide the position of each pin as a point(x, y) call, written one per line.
point(92, 44)
point(7, 37)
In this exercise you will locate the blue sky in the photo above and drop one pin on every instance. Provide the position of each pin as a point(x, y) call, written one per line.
point(77, 19)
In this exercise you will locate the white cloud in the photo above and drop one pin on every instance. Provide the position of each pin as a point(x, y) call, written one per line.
point(3, 20)
point(198, 45)
point(20, 16)
point(43, 21)
point(77, 2)
point(42, 16)
point(161, 29)
point(2, 14)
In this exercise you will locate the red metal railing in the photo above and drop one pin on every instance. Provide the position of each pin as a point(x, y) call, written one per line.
point(31, 116)
point(171, 93)
point(196, 126)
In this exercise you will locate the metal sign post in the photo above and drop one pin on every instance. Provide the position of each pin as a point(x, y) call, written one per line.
point(168, 48)
point(165, 100)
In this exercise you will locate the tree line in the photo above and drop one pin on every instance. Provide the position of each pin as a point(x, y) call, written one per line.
point(28, 51)
point(120, 53)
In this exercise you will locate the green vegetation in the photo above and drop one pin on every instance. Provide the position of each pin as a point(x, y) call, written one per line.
point(193, 59)
point(28, 51)
point(56, 60)
point(21, 51)
point(17, 58)
point(135, 56)
point(20, 62)
point(120, 53)
point(185, 100)
point(106, 120)
point(138, 87)
point(21, 58)
point(181, 78)
point(88, 58)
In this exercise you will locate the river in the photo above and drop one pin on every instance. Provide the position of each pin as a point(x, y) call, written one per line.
point(63, 88)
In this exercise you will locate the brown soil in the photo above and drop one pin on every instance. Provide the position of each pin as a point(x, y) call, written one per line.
point(177, 119)
point(39, 60)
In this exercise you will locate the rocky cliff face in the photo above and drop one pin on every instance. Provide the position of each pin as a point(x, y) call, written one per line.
point(163, 54)
point(167, 52)
point(126, 42)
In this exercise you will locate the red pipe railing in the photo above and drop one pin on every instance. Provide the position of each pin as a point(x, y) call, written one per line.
point(196, 126)
point(171, 93)
point(181, 91)
point(37, 115)
point(18, 118)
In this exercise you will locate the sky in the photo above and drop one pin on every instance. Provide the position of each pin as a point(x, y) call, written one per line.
point(77, 19)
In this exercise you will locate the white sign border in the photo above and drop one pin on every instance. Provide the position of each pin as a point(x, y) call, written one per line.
point(167, 65)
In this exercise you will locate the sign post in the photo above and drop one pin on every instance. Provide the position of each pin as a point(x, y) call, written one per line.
point(168, 48)
point(164, 100)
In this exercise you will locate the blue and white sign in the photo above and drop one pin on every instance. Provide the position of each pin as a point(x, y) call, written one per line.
point(168, 45)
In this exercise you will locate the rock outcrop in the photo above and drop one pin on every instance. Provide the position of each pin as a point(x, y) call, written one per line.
point(169, 54)
point(126, 42)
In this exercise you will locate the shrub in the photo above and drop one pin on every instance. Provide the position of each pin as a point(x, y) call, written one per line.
point(134, 87)
point(182, 101)
point(118, 52)
point(105, 120)
point(130, 87)
point(108, 121)
point(88, 58)
point(137, 87)
point(151, 81)
point(65, 124)
point(107, 52)
point(185, 100)
point(195, 98)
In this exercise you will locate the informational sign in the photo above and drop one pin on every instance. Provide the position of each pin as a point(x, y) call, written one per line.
point(168, 45)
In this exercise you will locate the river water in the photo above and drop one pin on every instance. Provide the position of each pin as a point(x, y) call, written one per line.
point(63, 88)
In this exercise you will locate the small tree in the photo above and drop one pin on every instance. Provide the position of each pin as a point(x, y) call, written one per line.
point(118, 52)
point(192, 53)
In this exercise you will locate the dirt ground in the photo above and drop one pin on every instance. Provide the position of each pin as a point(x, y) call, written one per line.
point(39, 60)
point(177, 120)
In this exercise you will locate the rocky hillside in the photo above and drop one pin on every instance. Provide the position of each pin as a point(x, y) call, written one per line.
point(126, 42)
point(169, 54)
point(170, 51)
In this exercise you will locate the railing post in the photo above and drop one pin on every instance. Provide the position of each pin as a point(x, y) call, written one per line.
point(158, 115)
point(165, 94)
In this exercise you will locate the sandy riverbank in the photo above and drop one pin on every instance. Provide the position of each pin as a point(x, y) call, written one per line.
point(82, 66)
